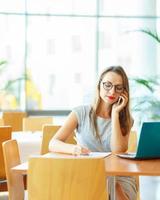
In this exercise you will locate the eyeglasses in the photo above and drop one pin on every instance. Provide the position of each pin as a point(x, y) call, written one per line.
point(108, 86)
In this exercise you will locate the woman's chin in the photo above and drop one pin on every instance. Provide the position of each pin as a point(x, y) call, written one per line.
point(109, 101)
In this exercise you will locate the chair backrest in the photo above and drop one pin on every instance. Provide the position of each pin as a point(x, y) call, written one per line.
point(14, 180)
point(36, 123)
point(66, 179)
point(1, 122)
point(5, 134)
point(14, 119)
point(132, 144)
point(132, 147)
point(49, 131)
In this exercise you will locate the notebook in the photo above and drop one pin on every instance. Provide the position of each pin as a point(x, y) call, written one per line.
point(148, 144)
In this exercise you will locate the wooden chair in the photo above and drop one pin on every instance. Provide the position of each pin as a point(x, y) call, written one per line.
point(132, 144)
point(66, 179)
point(36, 123)
point(14, 180)
point(5, 134)
point(14, 119)
point(1, 122)
point(132, 147)
point(49, 131)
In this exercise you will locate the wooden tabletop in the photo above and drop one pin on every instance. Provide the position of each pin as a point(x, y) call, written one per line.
point(115, 166)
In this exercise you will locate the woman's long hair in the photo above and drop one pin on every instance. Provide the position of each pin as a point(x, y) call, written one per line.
point(124, 115)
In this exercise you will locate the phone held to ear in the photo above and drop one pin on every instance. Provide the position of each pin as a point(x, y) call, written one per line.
point(120, 100)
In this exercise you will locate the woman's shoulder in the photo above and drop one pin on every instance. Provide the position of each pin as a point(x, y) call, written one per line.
point(82, 112)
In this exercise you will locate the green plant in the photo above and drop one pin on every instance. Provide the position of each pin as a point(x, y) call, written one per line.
point(145, 91)
point(145, 101)
point(10, 89)
point(152, 34)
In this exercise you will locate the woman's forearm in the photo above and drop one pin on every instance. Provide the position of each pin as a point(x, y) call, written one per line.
point(61, 147)
point(119, 143)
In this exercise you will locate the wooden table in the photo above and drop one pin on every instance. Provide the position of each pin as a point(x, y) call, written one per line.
point(124, 167)
point(115, 166)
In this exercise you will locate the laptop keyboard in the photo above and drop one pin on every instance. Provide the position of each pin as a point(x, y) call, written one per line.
point(127, 155)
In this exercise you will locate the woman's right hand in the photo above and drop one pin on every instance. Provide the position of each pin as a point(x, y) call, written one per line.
point(79, 150)
point(121, 103)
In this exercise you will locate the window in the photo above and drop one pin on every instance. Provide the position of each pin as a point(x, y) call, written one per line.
point(62, 45)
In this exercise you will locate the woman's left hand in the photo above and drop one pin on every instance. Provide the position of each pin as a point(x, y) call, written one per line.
point(121, 103)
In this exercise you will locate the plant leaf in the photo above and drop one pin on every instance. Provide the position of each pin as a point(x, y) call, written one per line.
point(148, 83)
point(152, 34)
point(2, 65)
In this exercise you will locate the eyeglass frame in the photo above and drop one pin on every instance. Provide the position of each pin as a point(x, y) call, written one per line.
point(115, 86)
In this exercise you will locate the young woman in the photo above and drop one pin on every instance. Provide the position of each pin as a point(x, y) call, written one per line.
point(103, 126)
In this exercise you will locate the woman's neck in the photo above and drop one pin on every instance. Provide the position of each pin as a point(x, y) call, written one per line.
point(104, 111)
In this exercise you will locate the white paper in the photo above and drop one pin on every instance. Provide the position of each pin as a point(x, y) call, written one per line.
point(96, 155)
point(90, 155)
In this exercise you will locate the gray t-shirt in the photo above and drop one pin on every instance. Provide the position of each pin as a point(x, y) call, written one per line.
point(85, 133)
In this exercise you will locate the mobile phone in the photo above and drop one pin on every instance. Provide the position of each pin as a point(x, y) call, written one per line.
point(120, 100)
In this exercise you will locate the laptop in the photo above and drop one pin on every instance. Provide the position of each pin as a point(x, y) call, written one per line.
point(148, 144)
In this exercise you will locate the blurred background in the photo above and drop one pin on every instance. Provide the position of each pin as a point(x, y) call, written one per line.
point(52, 51)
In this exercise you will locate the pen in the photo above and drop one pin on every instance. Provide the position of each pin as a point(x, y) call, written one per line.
point(75, 139)
point(85, 150)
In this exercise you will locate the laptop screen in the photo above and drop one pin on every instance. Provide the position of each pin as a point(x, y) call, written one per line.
point(149, 140)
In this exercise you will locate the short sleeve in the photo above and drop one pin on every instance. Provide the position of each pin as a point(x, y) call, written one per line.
point(82, 114)
point(79, 111)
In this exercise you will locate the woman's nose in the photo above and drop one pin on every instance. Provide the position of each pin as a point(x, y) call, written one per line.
point(112, 90)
